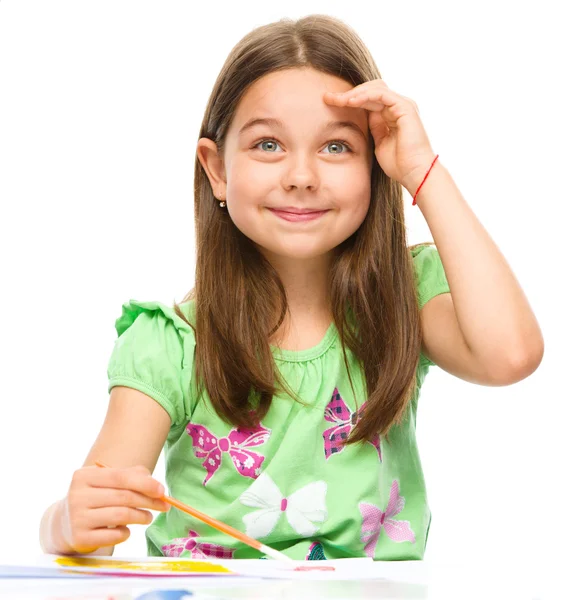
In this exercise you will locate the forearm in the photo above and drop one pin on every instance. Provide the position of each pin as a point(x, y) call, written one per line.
point(51, 534)
point(493, 312)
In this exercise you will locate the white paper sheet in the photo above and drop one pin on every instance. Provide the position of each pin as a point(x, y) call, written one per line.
point(343, 569)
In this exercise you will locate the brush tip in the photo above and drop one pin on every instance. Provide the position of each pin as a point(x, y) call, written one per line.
point(275, 554)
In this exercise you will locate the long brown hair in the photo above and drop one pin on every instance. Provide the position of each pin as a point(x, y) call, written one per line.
point(240, 300)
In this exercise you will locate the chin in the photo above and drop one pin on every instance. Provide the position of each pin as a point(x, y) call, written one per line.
point(297, 252)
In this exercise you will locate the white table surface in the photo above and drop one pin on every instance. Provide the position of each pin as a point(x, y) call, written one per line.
point(532, 580)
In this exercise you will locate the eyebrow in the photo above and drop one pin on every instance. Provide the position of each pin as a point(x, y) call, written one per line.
point(330, 125)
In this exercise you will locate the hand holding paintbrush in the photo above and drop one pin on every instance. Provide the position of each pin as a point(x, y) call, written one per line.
point(229, 530)
point(99, 506)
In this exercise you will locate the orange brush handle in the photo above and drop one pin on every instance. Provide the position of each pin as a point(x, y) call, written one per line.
point(228, 529)
point(225, 528)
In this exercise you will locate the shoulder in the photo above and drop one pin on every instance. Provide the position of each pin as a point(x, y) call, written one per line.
point(152, 328)
point(429, 274)
point(423, 255)
point(154, 353)
point(154, 311)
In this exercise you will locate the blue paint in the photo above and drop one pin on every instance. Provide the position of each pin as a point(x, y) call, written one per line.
point(165, 595)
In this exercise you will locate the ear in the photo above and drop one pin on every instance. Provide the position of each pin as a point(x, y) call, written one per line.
point(212, 163)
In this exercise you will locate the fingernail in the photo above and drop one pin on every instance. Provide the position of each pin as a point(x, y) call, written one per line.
point(161, 490)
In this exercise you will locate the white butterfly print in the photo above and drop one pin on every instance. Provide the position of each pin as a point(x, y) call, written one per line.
point(303, 507)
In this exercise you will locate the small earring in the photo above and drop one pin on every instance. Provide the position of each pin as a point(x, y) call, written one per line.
point(222, 204)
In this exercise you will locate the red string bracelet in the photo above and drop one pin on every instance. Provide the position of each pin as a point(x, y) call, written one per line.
point(420, 186)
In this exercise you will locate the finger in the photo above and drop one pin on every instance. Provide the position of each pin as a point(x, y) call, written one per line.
point(363, 100)
point(378, 97)
point(338, 98)
point(363, 87)
point(117, 516)
point(387, 105)
point(100, 498)
point(359, 89)
point(359, 101)
point(137, 479)
point(379, 132)
point(90, 541)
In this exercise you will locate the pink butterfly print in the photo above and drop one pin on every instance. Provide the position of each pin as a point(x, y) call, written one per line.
point(337, 411)
point(206, 445)
point(373, 520)
point(196, 548)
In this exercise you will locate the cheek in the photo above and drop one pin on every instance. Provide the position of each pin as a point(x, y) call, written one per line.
point(357, 213)
point(353, 186)
point(241, 215)
point(357, 204)
point(245, 193)
point(247, 182)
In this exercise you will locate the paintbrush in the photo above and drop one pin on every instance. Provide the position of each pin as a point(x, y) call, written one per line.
point(228, 529)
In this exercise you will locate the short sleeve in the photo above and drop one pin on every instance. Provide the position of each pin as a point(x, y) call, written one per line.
point(430, 279)
point(154, 354)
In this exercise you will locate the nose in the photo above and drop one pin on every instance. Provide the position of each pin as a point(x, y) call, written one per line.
point(301, 174)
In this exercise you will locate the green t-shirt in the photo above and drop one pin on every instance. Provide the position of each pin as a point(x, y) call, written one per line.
point(288, 483)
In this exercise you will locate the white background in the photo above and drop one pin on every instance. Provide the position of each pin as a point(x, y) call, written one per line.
point(100, 107)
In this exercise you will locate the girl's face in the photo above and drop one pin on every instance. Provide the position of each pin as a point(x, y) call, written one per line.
point(305, 162)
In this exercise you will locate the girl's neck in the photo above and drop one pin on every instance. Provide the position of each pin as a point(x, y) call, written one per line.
point(302, 330)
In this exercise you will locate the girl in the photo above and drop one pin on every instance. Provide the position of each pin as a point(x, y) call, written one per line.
point(284, 387)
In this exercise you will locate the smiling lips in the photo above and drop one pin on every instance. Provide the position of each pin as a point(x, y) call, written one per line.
point(297, 210)
point(298, 214)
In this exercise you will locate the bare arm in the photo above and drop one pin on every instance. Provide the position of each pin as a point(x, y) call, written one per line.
point(133, 433)
point(498, 329)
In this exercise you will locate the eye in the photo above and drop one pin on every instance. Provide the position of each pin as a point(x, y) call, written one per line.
point(334, 142)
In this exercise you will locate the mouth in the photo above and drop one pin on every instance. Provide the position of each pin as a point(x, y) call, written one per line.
point(287, 215)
